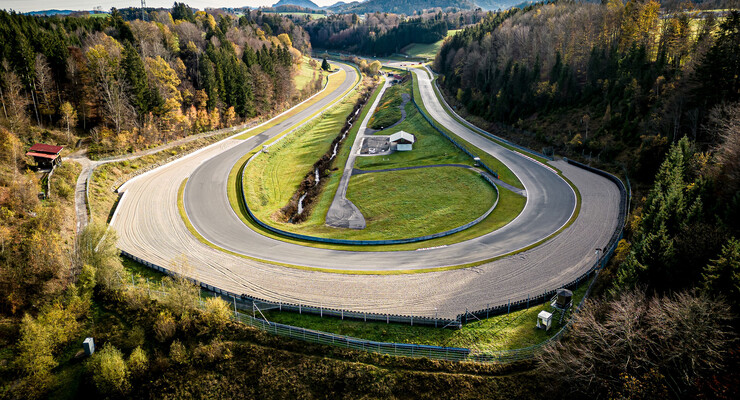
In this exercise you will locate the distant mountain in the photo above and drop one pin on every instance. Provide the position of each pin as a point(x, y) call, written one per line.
point(302, 3)
point(408, 7)
point(337, 4)
point(500, 4)
point(50, 12)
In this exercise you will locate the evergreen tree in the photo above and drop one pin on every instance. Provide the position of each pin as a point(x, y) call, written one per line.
point(142, 97)
point(722, 275)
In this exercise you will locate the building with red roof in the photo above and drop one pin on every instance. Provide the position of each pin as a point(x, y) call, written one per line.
point(45, 155)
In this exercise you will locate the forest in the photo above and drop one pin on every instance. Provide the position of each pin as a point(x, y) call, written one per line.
point(133, 84)
point(382, 34)
point(627, 72)
point(653, 97)
point(407, 7)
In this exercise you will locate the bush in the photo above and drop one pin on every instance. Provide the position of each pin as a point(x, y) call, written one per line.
point(216, 313)
point(178, 353)
point(97, 247)
point(109, 370)
point(212, 352)
point(138, 362)
point(164, 326)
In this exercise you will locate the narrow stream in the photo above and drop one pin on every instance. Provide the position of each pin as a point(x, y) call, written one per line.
point(334, 154)
point(300, 204)
point(316, 172)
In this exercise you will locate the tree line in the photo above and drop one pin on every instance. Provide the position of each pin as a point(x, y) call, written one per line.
point(382, 34)
point(624, 73)
point(131, 84)
point(656, 96)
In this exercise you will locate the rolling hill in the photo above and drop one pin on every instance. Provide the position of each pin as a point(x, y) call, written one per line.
point(302, 3)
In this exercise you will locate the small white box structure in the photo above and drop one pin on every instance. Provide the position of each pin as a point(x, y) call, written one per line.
point(89, 346)
point(544, 320)
point(403, 140)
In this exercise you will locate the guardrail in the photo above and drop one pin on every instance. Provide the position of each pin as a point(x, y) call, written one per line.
point(247, 301)
point(414, 350)
point(486, 133)
point(448, 137)
point(417, 239)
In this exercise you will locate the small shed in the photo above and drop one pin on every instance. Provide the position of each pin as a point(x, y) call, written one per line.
point(45, 155)
point(402, 140)
point(544, 320)
point(89, 346)
point(563, 298)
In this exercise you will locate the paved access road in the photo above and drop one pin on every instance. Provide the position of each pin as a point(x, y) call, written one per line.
point(150, 227)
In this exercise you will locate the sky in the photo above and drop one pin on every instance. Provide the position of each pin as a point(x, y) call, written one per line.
point(37, 5)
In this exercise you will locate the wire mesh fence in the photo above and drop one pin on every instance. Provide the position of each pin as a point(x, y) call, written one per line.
point(244, 301)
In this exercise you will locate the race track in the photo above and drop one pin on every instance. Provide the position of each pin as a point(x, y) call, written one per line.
point(150, 227)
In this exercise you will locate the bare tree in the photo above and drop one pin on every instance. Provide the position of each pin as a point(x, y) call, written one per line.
point(636, 346)
point(14, 101)
point(44, 85)
point(104, 64)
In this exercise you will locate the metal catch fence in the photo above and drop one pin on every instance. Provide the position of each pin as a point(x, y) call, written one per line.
point(245, 301)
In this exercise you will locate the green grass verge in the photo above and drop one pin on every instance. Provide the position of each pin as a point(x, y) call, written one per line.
point(504, 173)
point(503, 332)
point(464, 122)
point(335, 80)
point(306, 74)
point(427, 50)
point(417, 202)
point(430, 148)
point(388, 111)
point(271, 178)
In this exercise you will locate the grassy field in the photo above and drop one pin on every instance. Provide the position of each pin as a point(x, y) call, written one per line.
point(306, 74)
point(436, 150)
point(271, 179)
point(504, 332)
point(388, 111)
point(430, 147)
point(335, 80)
point(302, 14)
point(408, 203)
point(426, 50)
point(504, 173)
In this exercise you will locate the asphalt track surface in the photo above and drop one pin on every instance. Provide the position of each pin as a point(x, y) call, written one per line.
point(550, 203)
point(149, 226)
